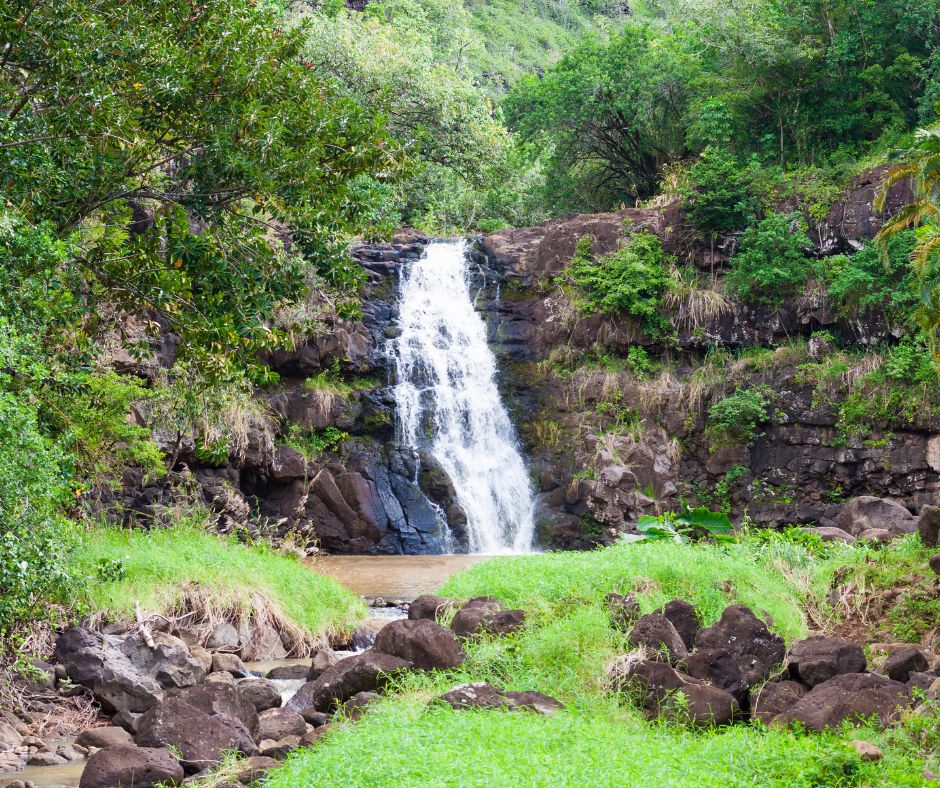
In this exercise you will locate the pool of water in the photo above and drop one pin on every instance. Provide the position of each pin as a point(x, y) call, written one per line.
point(391, 577)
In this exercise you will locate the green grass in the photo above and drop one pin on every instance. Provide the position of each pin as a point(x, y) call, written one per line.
point(169, 569)
point(600, 739)
point(407, 743)
point(778, 580)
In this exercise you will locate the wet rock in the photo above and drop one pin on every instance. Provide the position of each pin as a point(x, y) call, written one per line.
point(424, 643)
point(254, 768)
point(141, 767)
point(817, 659)
point(743, 635)
point(229, 663)
point(427, 606)
point(204, 657)
point(278, 723)
point(866, 513)
point(200, 737)
point(45, 758)
point(364, 672)
point(125, 673)
point(357, 705)
point(905, 661)
point(224, 636)
point(775, 697)
point(656, 632)
point(260, 693)
point(9, 737)
point(315, 718)
point(224, 699)
point(481, 695)
point(684, 617)
point(279, 749)
point(657, 687)
point(718, 668)
point(623, 610)
point(928, 525)
point(110, 736)
point(851, 696)
point(323, 659)
point(262, 642)
point(288, 672)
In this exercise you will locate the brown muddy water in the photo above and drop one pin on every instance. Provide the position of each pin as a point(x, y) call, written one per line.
point(393, 576)
point(389, 577)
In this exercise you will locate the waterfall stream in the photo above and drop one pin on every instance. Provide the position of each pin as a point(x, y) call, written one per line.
point(448, 402)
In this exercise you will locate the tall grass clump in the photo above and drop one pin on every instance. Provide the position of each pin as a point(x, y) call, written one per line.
point(185, 569)
point(709, 576)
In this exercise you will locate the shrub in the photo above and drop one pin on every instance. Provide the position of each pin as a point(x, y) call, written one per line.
point(33, 487)
point(631, 280)
point(868, 280)
point(717, 200)
point(771, 264)
point(738, 415)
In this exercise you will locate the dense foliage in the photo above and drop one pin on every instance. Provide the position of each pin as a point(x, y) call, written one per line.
point(164, 167)
point(631, 280)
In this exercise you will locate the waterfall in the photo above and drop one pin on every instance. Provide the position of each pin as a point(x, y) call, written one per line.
point(448, 403)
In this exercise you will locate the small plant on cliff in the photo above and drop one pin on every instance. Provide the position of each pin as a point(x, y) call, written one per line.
point(716, 199)
point(771, 265)
point(631, 280)
point(738, 416)
point(689, 525)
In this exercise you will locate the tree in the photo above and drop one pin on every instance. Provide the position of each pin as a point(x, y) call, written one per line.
point(195, 160)
point(609, 115)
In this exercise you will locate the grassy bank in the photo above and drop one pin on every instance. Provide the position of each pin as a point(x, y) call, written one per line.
point(601, 739)
point(185, 568)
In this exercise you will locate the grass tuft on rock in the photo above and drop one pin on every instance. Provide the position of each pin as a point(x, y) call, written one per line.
point(185, 569)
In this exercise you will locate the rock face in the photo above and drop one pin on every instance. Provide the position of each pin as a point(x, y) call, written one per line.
point(200, 737)
point(852, 696)
point(124, 765)
point(663, 691)
point(481, 695)
point(365, 672)
point(125, 673)
point(423, 643)
point(818, 659)
point(743, 635)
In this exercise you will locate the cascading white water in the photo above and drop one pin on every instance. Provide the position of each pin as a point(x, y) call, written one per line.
point(448, 402)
